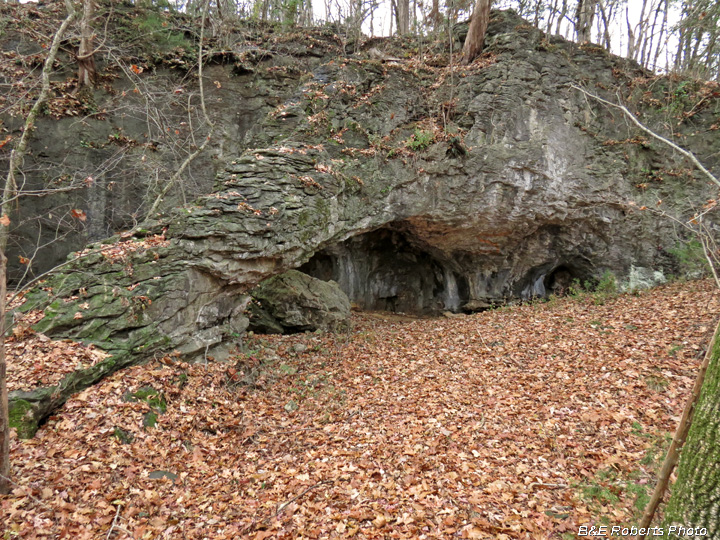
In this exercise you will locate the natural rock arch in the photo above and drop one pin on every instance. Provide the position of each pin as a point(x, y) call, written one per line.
point(535, 189)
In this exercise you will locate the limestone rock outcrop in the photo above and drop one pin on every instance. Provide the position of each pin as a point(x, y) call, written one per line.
point(295, 302)
point(357, 178)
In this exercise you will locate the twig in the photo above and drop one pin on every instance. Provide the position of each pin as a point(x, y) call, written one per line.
point(544, 485)
point(102, 44)
point(287, 431)
point(296, 497)
point(650, 132)
point(483, 342)
point(708, 252)
point(704, 236)
point(189, 159)
point(117, 514)
point(29, 495)
point(116, 526)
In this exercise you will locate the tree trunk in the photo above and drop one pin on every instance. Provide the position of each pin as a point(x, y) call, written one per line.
point(9, 193)
point(663, 28)
point(584, 16)
point(476, 32)
point(606, 26)
point(434, 16)
point(402, 15)
point(4, 412)
point(561, 16)
point(650, 42)
point(710, 56)
point(86, 56)
point(552, 11)
point(695, 500)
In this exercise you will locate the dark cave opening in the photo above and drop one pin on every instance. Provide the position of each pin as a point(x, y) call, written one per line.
point(385, 270)
point(559, 280)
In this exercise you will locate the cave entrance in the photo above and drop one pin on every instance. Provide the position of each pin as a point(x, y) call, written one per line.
point(385, 270)
point(559, 281)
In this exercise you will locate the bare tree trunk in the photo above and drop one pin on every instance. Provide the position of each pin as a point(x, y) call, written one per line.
point(415, 17)
point(307, 14)
point(680, 45)
point(553, 9)
point(402, 15)
point(561, 17)
point(476, 32)
point(681, 433)
point(394, 14)
point(710, 55)
point(694, 55)
point(650, 40)
point(372, 21)
point(640, 32)
point(631, 34)
point(434, 15)
point(584, 16)
point(9, 194)
point(4, 410)
point(86, 55)
point(663, 28)
point(606, 25)
point(694, 500)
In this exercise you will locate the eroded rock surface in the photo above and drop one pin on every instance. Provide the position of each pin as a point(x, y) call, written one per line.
point(295, 302)
point(359, 176)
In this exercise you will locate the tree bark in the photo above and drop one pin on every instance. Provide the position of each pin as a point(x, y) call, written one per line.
point(86, 56)
point(663, 28)
point(476, 32)
point(681, 433)
point(561, 16)
point(402, 15)
point(434, 16)
point(695, 499)
point(9, 193)
point(606, 26)
point(552, 9)
point(584, 16)
point(4, 409)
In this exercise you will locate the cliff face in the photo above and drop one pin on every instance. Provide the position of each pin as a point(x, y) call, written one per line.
point(414, 187)
point(108, 151)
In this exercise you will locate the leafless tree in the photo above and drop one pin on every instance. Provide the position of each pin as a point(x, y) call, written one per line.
point(584, 16)
point(475, 39)
point(9, 194)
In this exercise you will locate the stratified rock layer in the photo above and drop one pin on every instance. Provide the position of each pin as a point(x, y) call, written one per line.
point(360, 177)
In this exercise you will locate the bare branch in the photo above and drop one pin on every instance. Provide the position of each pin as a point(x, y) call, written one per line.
point(650, 132)
point(189, 159)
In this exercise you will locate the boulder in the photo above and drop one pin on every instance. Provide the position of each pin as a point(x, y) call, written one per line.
point(295, 302)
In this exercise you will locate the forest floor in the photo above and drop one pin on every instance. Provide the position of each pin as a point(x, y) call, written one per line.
point(522, 422)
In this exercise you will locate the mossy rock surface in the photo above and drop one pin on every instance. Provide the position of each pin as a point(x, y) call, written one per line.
point(543, 186)
point(295, 302)
point(23, 418)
